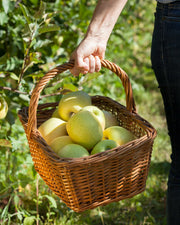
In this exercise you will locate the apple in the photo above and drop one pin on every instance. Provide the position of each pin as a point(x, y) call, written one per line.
point(52, 128)
point(73, 151)
point(3, 108)
point(84, 129)
point(110, 119)
point(72, 102)
point(103, 146)
point(118, 134)
point(97, 113)
point(55, 114)
point(58, 143)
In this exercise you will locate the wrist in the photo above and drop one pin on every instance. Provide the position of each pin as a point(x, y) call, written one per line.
point(97, 35)
point(96, 39)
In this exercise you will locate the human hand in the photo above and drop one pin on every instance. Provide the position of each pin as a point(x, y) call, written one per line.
point(88, 56)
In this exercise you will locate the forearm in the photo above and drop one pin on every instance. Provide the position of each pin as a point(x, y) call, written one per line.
point(91, 50)
point(104, 19)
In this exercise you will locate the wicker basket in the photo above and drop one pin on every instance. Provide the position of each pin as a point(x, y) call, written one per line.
point(87, 182)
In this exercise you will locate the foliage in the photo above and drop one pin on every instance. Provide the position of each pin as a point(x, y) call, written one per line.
point(35, 36)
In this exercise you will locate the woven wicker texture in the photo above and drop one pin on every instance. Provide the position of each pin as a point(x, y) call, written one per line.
point(88, 182)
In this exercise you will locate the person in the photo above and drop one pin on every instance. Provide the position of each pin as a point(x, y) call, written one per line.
point(165, 58)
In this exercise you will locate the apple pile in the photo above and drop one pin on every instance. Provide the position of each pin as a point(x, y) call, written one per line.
point(77, 128)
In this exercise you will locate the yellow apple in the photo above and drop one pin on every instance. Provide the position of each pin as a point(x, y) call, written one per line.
point(84, 129)
point(103, 146)
point(110, 119)
point(55, 114)
point(58, 143)
point(72, 102)
point(3, 108)
point(118, 134)
point(73, 151)
point(52, 128)
point(97, 113)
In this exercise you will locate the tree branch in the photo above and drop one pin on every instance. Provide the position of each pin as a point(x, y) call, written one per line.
point(61, 92)
point(13, 90)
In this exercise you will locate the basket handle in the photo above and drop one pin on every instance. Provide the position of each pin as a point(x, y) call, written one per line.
point(32, 120)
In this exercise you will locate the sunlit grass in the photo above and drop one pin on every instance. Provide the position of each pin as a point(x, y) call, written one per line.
point(23, 194)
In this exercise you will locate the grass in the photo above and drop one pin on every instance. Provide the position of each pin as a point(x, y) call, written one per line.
point(24, 194)
point(24, 197)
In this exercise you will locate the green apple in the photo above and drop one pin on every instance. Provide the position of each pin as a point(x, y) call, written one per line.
point(97, 113)
point(73, 151)
point(103, 146)
point(58, 143)
point(3, 108)
point(72, 102)
point(118, 134)
point(55, 114)
point(84, 129)
point(110, 119)
point(52, 128)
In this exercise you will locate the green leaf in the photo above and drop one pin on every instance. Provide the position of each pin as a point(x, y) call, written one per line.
point(70, 86)
point(40, 12)
point(88, 77)
point(5, 4)
point(29, 220)
point(25, 13)
point(10, 118)
point(5, 143)
point(3, 18)
point(24, 97)
point(35, 75)
point(3, 58)
point(26, 33)
point(48, 16)
point(14, 76)
point(16, 144)
point(52, 200)
point(42, 43)
point(34, 58)
point(4, 212)
point(48, 28)
point(16, 200)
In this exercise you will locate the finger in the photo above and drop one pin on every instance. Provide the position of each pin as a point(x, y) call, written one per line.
point(76, 70)
point(81, 63)
point(86, 61)
point(97, 64)
point(91, 64)
point(80, 66)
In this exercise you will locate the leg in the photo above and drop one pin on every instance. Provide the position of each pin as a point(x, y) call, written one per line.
point(165, 56)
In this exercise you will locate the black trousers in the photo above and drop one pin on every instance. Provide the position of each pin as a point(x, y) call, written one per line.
point(165, 57)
